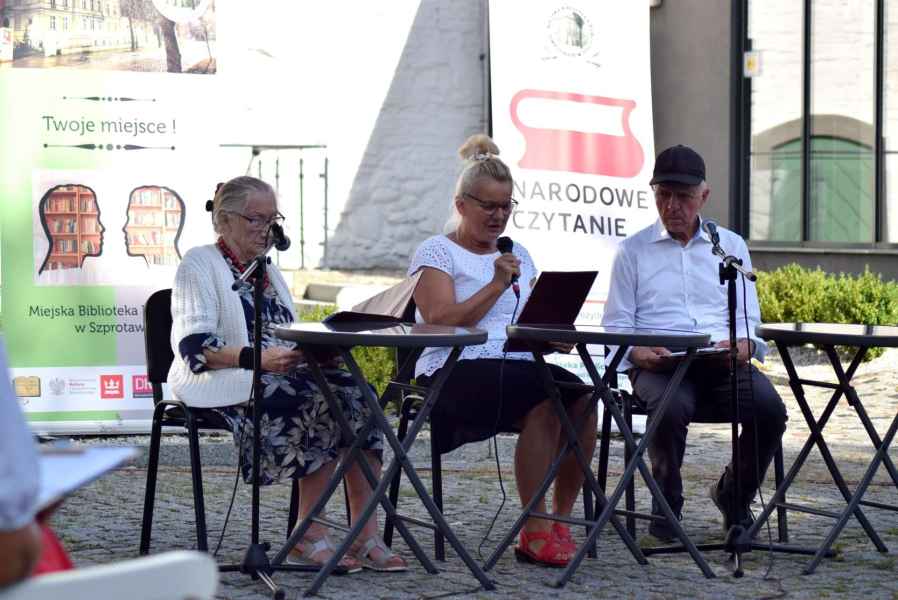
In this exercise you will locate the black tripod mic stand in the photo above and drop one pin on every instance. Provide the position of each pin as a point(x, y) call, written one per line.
point(255, 561)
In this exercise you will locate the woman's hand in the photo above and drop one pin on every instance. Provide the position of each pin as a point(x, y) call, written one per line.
point(651, 358)
point(280, 360)
point(507, 265)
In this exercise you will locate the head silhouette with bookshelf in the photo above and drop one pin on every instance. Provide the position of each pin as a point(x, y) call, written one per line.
point(153, 224)
point(70, 217)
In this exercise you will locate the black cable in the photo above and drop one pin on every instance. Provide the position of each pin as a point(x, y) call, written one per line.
point(489, 529)
point(224, 527)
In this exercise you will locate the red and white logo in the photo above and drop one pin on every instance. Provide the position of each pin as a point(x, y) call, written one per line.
point(140, 386)
point(579, 151)
point(112, 387)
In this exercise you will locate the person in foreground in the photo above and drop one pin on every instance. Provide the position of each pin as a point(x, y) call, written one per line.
point(212, 335)
point(465, 281)
point(665, 277)
point(20, 534)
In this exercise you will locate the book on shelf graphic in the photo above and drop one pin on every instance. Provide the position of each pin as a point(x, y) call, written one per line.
point(154, 219)
point(72, 220)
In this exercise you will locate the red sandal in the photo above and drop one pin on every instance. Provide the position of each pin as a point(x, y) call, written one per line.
point(547, 555)
point(563, 534)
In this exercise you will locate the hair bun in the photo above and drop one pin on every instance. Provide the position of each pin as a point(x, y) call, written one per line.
point(478, 145)
point(209, 205)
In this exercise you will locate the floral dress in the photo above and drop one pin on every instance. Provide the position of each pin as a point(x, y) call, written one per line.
point(298, 434)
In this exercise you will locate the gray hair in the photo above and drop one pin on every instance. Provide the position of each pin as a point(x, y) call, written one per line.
point(231, 197)
point(481, 156)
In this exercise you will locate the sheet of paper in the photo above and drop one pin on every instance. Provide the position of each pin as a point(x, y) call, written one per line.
point(64, 470)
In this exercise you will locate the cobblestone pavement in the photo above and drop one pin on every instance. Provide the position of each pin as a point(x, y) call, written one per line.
point(101, 523)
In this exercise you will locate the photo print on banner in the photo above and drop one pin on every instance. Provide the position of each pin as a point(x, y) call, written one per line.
point(148, 36)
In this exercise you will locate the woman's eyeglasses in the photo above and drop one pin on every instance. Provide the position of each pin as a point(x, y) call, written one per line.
point(491, 208)
point(259, 222)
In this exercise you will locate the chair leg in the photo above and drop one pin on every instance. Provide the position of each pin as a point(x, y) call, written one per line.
point(196, 472)
point(394, 485)
point(604, 449)
point(293, 513)
point(436, 474)
point(631, 495)
point(149, 500)
point(781, 513)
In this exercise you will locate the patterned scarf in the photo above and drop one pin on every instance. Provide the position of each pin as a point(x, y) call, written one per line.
point(236, 266)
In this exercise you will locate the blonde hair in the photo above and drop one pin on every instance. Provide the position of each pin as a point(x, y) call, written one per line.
point(232, 196)
point(481, 161)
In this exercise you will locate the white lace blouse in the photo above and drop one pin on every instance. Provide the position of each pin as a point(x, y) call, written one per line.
point(471, 272)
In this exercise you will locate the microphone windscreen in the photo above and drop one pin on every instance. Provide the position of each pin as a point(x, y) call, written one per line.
point(281, 241)
point(504, 244)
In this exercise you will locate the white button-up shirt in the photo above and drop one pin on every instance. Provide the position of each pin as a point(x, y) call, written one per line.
point(658, 283)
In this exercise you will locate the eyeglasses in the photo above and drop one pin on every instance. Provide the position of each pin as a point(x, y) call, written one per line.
point(490, 208)
point(258, 222)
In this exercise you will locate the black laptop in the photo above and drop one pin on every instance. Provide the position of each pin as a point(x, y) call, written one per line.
point(556, 299)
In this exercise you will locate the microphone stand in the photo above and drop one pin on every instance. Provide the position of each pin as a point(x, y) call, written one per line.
point(737, 541)
point(728, 271)
point(255, 560)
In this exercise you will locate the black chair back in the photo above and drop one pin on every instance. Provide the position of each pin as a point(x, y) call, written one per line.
point(157, 323)
point(408, 316)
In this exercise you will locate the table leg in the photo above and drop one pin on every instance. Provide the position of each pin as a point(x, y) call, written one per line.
point(815, 438)
point(572, 443)
point(354, 455)
point(401, 460)
point(856, 403)
point(854, 504)
point(636, 461)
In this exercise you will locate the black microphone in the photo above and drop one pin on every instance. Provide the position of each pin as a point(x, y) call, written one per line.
point(281, 241)
point(710, 227)
point(505, 246)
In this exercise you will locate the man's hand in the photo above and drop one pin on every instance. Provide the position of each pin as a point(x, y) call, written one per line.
point(652, 358)
point(19, 552)
point(743, 345)
point(562, 347)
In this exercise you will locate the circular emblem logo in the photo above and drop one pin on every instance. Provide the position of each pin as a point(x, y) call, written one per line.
point(570, 31)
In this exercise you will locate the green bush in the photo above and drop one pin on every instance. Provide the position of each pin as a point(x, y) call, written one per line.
point(378, 364)
point(795, 294)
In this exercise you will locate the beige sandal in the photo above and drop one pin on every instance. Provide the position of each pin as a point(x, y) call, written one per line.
point(303, 553)
point(388, 561)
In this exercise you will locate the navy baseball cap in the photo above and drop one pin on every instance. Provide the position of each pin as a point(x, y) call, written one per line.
point(679, 164)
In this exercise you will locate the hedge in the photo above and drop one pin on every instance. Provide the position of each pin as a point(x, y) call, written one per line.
point(795, 294)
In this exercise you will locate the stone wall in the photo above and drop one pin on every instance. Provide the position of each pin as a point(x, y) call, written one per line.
point(401, 192)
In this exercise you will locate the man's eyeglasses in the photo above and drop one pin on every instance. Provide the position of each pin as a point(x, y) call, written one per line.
point(490, 208)
point(258, 222)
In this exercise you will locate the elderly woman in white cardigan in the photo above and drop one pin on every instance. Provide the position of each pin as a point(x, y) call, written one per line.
point(212, 341)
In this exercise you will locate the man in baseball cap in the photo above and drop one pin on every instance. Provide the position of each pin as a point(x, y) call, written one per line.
point(666, 277)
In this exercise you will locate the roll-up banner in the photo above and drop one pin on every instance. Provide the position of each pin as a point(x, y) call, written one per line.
point(107, 160)
point(572, 115)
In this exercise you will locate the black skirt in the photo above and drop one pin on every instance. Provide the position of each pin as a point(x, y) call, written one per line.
point(469, 407)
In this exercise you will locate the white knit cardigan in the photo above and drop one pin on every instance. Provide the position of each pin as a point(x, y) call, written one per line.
point(203, 302)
